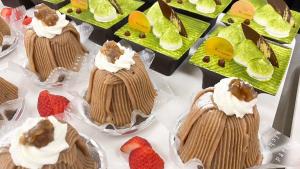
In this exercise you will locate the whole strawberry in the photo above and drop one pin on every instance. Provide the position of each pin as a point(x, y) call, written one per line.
point(145, 158)
point(49, 104)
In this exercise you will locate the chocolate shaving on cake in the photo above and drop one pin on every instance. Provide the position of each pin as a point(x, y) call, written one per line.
point(242, 91)
point(218, 2)
point(112, 51)
point(261, 43)
point(47, 15)
point(283, 9)
point(117, 6)
point(40, 135)
point(170, 14)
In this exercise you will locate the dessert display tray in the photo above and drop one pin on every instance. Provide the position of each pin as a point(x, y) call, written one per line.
point(54, 4)
point(166, 61)
point(103, 31)
point(190, 9)
point(232, 69)
point(261, 30)
point(15, 3)
point(185, 83)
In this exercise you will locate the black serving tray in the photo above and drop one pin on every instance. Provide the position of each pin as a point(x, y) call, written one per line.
point(16, 3)
point(52, 5)
point(101, 35)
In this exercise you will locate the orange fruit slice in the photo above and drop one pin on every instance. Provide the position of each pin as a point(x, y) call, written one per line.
point(138, 20)
point(220, 47)
point(243, 8)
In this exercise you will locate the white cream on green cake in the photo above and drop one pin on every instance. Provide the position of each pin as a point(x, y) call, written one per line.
point(233, 34)
point(193, 1)
point(278, 28)
point(125, 61)
point(93, 5)
point(171, 40)
point(247, 51)
point(229, 103)
point(154, 13)
point(161, 25)
point(206, 6)
point(105, 12)
point(265, 14)
point(29, 156)
point(260, 69)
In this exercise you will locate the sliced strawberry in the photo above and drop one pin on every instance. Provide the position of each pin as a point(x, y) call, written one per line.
point(59, 104)
point(134, 143)
point(6, 12)
point(27, 20)
point(44, 104)
point(145, 158)
point(49, 104)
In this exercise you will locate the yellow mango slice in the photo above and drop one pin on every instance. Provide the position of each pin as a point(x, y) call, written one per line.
point(82, 4)
point(243, 8)
point(138, 20)
point(220, 47)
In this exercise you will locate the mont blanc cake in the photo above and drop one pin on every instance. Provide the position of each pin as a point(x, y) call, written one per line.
point(222, 127)
point(53, 42)
point(119, 85)
point(46, 143)
point(8, 91)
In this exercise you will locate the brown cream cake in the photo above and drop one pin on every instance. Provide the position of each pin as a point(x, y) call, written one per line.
point(47, 53)
point(4, 30)
point(8, 91)
point(76, 156)
point(219, 140)
point(113, 96)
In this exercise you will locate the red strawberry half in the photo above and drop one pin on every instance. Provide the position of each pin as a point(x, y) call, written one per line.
point(134, 143)
point(49, 104)
point(145, 158)
point(6, 12)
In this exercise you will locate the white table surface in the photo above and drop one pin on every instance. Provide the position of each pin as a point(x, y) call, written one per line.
point(185, 83)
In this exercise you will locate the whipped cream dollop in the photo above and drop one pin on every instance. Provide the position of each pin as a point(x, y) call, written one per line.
point(125, 61)
point(230, 104)
point(42, 30)
point(33, 157)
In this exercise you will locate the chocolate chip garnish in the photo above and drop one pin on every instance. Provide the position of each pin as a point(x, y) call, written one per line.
point(40, 135)
point(230, 20)
point(179, 1)
point(206, 59)
point(9, 114)
point(4, 47)
point(242, 91)
point(221, 63)
point(127, 33)
point(70, 10)
point(142, 35)
point(78, 11)
point(247, 22)
point(168, 1)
